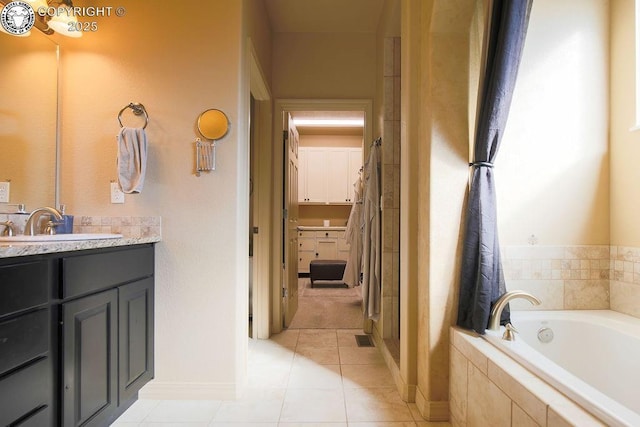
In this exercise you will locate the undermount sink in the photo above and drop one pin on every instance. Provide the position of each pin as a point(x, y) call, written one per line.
point(59, 237)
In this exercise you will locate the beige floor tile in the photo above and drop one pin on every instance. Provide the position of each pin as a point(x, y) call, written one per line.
point(183, 411)
point(376, 404)
point(246, 424)
point(307, 374)
point(318, 355)
point(263, 375)
point(256, 405)
point(286, 338)
point(366, 376)
point(312, 425)
point(318, 338)
point(384, 424)
point(313, 405)
point(173, 424)
point(360, 356)
point(138, 411)
point(346, 337)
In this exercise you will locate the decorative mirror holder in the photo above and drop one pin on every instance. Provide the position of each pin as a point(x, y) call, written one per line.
point(213, 124)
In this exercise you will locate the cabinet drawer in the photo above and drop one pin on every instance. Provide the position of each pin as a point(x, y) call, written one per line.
point(38, 419)
point(307, 234)
point(24, 286)
point(307, 245)
point(331, 234)
point(23, 338)
point(24, 391)
point(85, 274)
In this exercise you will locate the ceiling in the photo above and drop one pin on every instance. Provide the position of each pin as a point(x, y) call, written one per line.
point(324, 16)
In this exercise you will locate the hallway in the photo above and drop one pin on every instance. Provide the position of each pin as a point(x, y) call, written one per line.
point(298, 377)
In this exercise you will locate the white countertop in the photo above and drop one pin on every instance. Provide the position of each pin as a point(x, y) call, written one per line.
point(16, 249)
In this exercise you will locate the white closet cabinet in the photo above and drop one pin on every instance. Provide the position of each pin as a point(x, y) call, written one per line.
point(320, 243)
point(312, 188)
point(326, 174)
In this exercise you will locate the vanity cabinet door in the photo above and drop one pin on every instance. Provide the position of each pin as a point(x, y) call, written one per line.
point(135, 311)
point(89, 358)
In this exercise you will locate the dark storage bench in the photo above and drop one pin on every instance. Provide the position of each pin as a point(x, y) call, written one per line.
point(326, 269)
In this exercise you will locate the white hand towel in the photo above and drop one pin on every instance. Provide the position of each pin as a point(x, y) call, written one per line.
point(132, 159)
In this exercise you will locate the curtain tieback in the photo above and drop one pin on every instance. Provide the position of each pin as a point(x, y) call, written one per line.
point(479, 164)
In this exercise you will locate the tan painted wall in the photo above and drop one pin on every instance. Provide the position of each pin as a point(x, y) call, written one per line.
point(338, 215)
point(552, 171)
point(28, 118)
point(177, 63)
point(625, 149)
point(324, 66)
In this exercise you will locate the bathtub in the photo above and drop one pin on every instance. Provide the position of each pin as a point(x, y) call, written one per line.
point(592, 356)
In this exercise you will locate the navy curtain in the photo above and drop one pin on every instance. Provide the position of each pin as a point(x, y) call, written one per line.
point(482, 279)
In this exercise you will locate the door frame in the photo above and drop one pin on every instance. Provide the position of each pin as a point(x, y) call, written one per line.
point(288, 105)
point(262, 211)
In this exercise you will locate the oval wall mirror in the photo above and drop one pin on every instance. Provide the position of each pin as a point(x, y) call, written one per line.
point(213, 124)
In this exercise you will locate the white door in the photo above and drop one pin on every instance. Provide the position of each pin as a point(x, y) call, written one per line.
point(290, 285)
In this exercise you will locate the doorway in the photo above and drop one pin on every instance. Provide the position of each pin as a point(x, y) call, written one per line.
point(304, 108)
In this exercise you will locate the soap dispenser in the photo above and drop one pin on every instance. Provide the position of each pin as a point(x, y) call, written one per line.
point(66, 225)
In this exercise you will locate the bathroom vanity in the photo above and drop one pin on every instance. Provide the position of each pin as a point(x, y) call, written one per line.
point(76, 332)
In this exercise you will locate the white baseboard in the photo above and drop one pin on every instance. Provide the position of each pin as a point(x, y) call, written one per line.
point(159, 390)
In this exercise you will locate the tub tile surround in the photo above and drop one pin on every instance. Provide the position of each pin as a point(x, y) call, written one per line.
point(589, 277)
point(563, 277)
point(487, 387)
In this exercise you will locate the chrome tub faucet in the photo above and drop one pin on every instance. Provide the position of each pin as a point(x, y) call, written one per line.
point(496, 311)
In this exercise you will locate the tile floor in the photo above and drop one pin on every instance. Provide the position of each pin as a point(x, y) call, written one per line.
point(310, 377)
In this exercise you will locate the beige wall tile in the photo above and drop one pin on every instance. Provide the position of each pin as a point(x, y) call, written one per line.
point(519, 418)
point(514, 384)
point(550, 292)
point(570, 415)
point(461, 341)
point(487, 405)
point(625, 298)
point(586, 294)
point(458, 385)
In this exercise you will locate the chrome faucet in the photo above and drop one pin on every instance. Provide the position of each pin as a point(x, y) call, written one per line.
point(34, 217)
point(9, 228)
point(496, 311)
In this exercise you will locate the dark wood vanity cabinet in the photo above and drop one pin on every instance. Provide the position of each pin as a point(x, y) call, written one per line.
point(76, 335)
point(26, 359)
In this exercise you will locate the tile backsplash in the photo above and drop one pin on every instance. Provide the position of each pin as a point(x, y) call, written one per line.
point(625, 280)
point(590, 277)
point(128, 226)
point(563, 277)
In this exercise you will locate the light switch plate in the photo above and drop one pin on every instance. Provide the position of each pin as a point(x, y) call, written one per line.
point(4, 192)
point(117, 196)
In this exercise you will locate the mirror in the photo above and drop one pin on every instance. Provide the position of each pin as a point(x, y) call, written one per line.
point(213, 124)
point(28, 119)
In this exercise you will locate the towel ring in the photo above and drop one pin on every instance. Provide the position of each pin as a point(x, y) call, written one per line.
point(138, 109)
